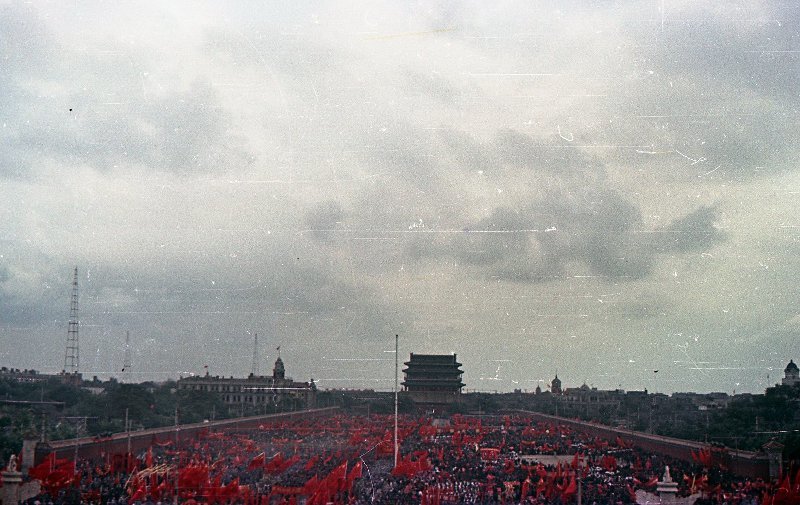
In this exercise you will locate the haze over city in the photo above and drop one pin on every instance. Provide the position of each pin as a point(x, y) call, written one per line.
point(606, 190)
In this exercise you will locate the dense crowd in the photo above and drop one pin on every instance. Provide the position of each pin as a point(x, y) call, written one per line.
point(350, 460)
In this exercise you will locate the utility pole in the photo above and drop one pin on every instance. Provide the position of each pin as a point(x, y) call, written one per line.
point(128, 431)
point(80, 429)
point(396, 447)
point(177, 469)
point(254, 368)
point(126, 360)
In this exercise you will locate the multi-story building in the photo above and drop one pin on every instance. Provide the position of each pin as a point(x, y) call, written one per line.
point(256, 390)
point(586, 396)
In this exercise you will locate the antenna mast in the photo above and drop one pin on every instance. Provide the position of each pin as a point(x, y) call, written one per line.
point(126, 361)
point(254, 368)
point(71, 353)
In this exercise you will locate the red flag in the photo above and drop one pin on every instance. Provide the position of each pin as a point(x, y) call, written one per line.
point(355, 473)
point(631, 493)
point(138, 495)
point(339, 476)
point(311, 462)
point(257, 462)
point(525, 488)
point(274, 464)
point(311, 485)
point(231, 490)
point(572, 488)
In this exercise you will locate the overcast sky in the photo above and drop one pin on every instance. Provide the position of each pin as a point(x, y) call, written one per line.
point(602, 189)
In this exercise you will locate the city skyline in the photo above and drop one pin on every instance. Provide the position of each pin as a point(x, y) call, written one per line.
point(606, 190)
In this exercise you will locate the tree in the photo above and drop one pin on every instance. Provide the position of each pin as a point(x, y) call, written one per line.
point(138, 401)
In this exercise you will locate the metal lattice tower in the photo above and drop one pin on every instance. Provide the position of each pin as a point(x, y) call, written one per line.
point(254, 368)
point(71, 355)
point(126, 360)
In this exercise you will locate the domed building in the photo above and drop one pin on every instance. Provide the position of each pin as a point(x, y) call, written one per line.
point(555, 386)
point(791, 375)
point(279, 371)
point(256, 390)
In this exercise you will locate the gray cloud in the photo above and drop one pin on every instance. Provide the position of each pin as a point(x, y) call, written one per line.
point(323, 218)
point(693, 232)
point(519, 150)
point(536, 173)
point(430, 85)
point(104, 118)
point(183, 132)
point(597, 228)
point(716, 85)
point(466, 152)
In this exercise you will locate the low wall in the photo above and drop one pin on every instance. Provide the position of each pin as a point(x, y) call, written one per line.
point(95, 447)
point(744, 463)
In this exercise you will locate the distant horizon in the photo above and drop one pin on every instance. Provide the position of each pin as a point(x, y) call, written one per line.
point(544, 387)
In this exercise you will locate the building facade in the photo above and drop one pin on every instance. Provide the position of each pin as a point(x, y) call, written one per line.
point(590, 397)
point(791, 375)
point(256, 390)
point(433, 378)
point(555, 386)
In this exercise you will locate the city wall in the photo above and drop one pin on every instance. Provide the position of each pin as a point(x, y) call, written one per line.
point(745, 463)
point(118, 443)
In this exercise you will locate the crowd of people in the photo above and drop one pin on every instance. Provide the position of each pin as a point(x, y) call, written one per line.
point(348, 459)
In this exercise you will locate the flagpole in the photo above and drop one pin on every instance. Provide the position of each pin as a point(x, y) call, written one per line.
point(177, 469)
point(396, 448)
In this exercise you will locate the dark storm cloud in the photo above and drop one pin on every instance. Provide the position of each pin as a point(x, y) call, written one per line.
point(693, 232)
point(599, 229)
